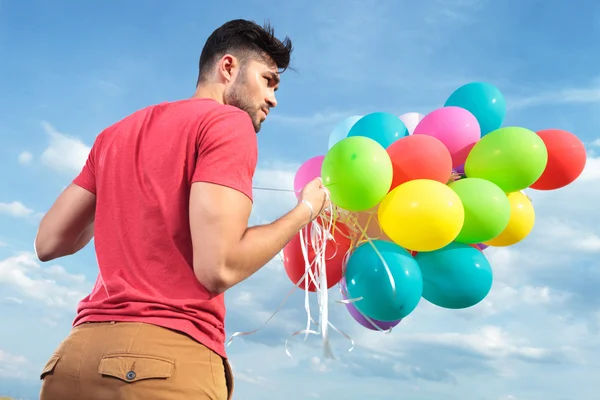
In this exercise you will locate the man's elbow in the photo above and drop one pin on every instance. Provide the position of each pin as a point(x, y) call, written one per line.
point(215, 279)
point(44, 254)
point(48, 250)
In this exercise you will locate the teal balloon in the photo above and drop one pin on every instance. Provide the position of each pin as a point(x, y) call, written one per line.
point(485, 101)
point(384, 128)
point(456, 276)
point(367, 277)
point(341, 130)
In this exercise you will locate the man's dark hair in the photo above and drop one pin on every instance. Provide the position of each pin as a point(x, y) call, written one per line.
point(246, 40)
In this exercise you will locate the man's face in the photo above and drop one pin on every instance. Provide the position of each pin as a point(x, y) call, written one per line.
point(253, 90)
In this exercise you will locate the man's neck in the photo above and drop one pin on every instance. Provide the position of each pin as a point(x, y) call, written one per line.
point(209, 92)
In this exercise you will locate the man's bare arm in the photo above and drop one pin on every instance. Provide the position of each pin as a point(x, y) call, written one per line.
point(68, 226)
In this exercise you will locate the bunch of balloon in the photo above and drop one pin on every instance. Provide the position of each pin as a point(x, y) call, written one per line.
point(417, 198)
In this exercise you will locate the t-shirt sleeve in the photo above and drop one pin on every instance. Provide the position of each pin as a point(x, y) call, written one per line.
point(87, 177)
point(227, 152)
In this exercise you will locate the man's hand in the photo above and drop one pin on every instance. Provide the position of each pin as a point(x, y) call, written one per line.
point(316, 195)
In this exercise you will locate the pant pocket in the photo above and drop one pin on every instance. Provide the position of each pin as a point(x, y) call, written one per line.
point(132, 367)
point(50, 365)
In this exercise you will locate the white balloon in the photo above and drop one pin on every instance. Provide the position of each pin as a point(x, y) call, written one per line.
point(411, 120)
point(342, 129)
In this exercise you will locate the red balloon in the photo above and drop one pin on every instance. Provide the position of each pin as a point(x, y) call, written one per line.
point(461, 155)
point(419, 157)
point(336, 249)
point(566, 159)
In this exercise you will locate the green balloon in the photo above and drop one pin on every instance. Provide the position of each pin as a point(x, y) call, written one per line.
point(487, 210)
point(511, 157)
point(358, 173)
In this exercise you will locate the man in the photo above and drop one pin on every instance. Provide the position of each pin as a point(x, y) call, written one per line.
point(167, 194)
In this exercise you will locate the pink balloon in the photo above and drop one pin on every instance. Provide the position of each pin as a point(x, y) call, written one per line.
point(308, 171)
point(454, 126)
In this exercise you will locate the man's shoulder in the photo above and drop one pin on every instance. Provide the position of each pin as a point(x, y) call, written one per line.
point(206, 105)
point(205, 115)
point(209, 113)
point(195, 106)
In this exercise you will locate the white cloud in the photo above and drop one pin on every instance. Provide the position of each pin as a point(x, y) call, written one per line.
point(505, 298)
point(273, 192)
point(592, 170)
point(25, 158)
point(64, 153)
point(490, 346)
point(572, 236)
point(490, 341)
point(15, 209)
point(250, 377)
point(14, 300)
point(8, 358)
point(279, 176)
point(51, 285)
point(11, 365)
point(319, 365)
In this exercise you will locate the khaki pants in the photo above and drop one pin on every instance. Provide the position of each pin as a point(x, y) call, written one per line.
point(126, 361)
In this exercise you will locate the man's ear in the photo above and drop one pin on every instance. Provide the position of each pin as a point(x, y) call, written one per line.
point(226, 67)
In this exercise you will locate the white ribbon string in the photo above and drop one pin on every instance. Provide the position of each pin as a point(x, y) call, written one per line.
point(316, 236)
point(319, 238)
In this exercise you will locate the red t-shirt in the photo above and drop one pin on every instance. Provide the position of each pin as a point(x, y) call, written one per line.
point(141, 170)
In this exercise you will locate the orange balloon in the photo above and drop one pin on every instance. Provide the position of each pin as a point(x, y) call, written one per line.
point(369, 222)
point(419, 157)
point(566, 159)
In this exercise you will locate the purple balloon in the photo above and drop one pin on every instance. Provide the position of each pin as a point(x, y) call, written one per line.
point(358, 317)
point(482, 246)
point(460, 169)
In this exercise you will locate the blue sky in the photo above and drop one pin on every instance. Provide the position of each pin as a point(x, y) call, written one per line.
point(68, 69)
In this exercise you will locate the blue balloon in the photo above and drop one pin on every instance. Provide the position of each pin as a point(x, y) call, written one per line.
point(384, 128)
point(366, 277)
point(456, 276)
point(341, 130)
point(484, 101)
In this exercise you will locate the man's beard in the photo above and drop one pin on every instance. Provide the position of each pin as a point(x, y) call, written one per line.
point(237, 96)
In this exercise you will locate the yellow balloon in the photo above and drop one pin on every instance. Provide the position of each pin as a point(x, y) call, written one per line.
point(520, 223)
point(421, 215)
